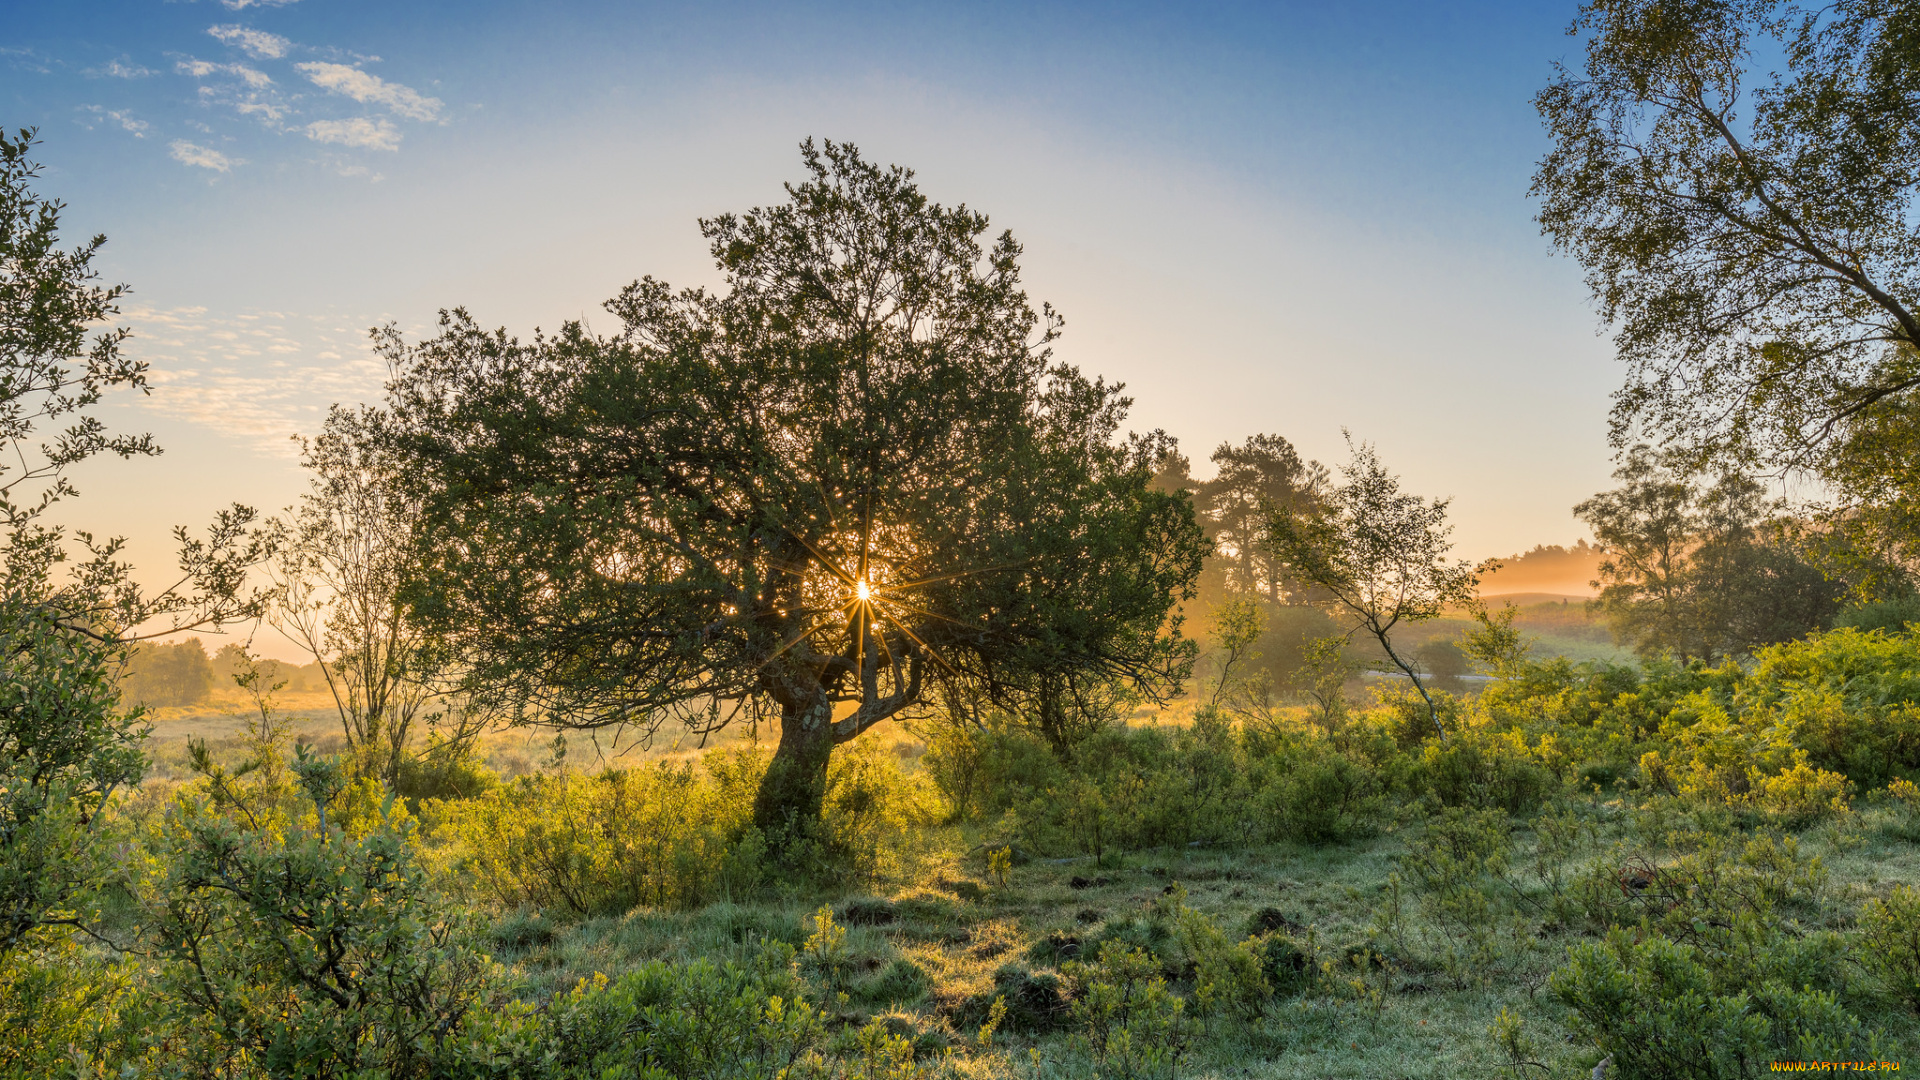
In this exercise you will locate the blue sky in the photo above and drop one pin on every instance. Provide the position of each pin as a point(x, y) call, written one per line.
point(1292, 217)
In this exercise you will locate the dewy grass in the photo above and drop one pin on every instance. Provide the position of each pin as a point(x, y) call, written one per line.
point(952, 956)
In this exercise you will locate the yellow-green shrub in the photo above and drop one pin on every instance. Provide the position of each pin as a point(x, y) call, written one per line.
point(604, 843)
point(871, 809)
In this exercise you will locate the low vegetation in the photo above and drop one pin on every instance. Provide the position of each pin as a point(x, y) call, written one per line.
point(1658, 866)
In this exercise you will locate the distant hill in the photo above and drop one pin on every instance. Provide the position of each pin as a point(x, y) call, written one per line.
point(1548, 572)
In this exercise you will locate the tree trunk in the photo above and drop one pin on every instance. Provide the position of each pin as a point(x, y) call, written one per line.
point(795, 786)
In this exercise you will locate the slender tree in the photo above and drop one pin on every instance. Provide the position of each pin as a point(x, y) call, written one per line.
point(1378, 554)
point(850, 478)
point(339, 578)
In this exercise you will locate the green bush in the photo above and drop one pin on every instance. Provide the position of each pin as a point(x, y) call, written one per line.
point(1890, 943)
point(301, 950)
point(1659, 1011)
point(1129, 1021)
point(694, 1021)
point(60, 1006)
point(1849, 698)
point(1482, 769)
point(602, 844)
point(1228, 977)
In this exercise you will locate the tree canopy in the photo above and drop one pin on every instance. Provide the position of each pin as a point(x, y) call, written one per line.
point(849, 486)
point(1738, 178)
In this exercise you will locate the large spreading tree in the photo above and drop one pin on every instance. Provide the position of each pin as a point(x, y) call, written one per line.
point(850, 485)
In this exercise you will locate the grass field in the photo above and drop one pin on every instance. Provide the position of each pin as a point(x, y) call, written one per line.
point(931, 948)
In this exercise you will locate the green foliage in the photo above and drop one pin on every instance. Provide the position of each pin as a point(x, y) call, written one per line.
point(1755, 269)
point(1890, 943)
point(66, 745)
point(662, 835)
point(1129, 788)
point(57, 360)
point(1457, 868)
point(1132, 1024)
point(749, 1018)
point(1892, 615)
point(1228, 977)
point(669, 834)
point(338, 582)
point(59, 1006)
point(303, 950)
point(1849, 699)
point(824, 956)
point(1660, 1009)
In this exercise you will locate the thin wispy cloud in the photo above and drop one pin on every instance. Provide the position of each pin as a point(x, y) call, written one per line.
point(201, 157)
point(366, 133)
point(125, 120)
point(372, 90)
point(26, 59)
point(255, 43)
point(117, 70)
point(261, 376)
point(201, 69)
point(247, 91)
point(242, 5)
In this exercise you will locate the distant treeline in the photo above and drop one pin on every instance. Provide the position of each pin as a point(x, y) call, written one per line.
point(1548, 568)
point(160, 675)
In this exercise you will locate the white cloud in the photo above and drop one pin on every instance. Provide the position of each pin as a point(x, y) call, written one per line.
point(201, 69)
point(203, 157)
point(365, 88)
point(125, 120)
point(261, 375)
point(255, 43)
point(252, 95)
point(242, 5)
point(363, 132)
point(117, 70)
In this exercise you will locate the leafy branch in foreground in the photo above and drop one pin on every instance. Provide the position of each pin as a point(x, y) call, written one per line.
point(66, 743)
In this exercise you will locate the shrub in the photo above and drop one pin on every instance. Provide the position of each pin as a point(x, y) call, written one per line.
point(825, 954)
point(1481, 768)
point(696, 1021)
point(587, 845)
point(1803, 794)
point(870, 811)
point(306, 951)
point(1453, 865)
point(1660, 1012)
point(60, 1008)
point(1227, 976)
point(1890, 943)
point(1130, 1022)
point(1288, 966)
point(66, 745)
point(1849, 698)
